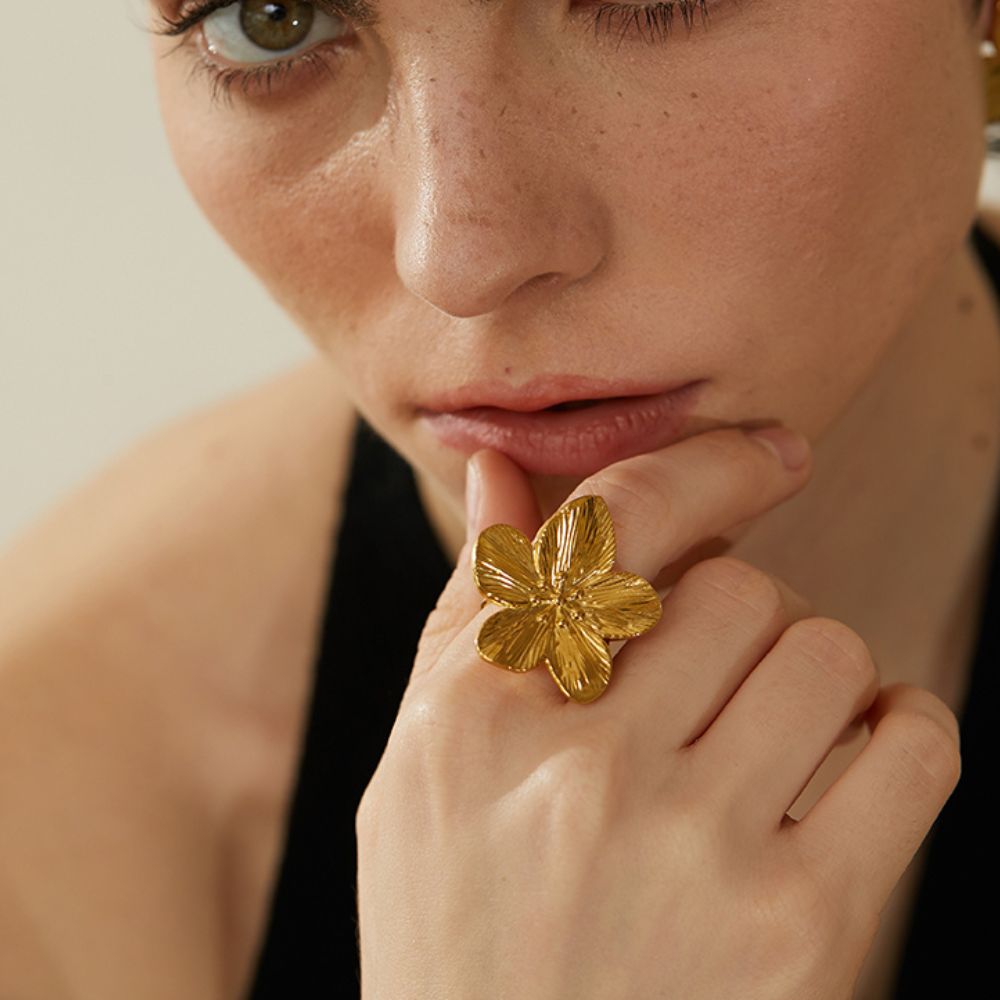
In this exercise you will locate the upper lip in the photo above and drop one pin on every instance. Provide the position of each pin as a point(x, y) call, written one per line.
point(542, 392)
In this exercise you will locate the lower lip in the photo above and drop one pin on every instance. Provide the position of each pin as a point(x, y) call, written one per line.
point(570, 442)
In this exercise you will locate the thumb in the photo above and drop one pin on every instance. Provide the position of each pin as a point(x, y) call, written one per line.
point(503, 495)
point(498, 491)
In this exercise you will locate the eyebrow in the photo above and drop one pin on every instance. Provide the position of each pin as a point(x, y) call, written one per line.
point(366, 13)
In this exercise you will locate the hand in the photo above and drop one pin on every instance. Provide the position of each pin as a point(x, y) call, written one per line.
point(512, 844)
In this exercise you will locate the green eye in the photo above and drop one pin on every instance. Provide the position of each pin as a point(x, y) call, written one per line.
point(250, 31)
point(247, 34)
point(276, 26)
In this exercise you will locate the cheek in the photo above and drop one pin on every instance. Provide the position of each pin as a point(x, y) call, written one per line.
point(812, 197)
point(785, 212)
point(289, 185)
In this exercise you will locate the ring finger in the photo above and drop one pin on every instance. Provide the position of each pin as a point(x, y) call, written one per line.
point(779, 727)
point(719, 621)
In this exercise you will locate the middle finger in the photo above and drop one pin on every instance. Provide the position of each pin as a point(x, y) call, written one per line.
point(718, 622)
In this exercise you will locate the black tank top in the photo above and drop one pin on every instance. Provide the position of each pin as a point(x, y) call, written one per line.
point(310, 944)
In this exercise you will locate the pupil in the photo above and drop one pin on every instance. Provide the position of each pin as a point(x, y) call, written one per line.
point(276, 25)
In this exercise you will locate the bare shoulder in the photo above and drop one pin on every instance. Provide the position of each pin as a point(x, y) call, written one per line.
point(182, 540)
point(156, 632)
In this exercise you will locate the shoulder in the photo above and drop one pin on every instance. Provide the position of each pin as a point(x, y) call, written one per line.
point(156, 633)
point(203, 545)
point(270, 456)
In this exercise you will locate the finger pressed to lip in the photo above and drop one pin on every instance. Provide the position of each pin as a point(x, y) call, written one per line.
point(663, 503)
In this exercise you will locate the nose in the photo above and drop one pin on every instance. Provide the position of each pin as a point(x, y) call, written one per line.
point(491, 199)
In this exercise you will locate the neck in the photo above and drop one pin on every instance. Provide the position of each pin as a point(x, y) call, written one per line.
point(891, 532)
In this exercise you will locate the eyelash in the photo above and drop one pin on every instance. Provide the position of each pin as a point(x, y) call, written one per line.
point(252, 82)
point(657, 18)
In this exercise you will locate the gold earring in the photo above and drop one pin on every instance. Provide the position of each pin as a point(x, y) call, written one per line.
point(991, 71)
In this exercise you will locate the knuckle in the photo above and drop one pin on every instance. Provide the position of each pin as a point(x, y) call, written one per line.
point(924, 749)
point(597, 748)
point(690, 832)
point(810, 919)
point(422, 715)
point(571, 768)
point(741, 583)
point(571, 794)
point(632, 491)
point(797, 919)
point(941, 712)
point(836, 648)
point(582, 784)
point(421, 734)
point(740, 452)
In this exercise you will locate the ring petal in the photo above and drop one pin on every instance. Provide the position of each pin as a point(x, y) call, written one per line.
point(577, 541)
point(621, 605)
point(516, 638)
point(503, 567)
point(580, 662)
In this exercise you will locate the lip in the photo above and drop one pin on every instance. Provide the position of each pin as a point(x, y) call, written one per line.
point(564, 443)
point(541, 392)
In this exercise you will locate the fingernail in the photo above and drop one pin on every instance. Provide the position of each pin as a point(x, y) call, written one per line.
point(790, 446)
point(473, 495)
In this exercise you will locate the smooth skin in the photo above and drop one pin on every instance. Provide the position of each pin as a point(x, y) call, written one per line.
point(777, 205)
point(512, 843)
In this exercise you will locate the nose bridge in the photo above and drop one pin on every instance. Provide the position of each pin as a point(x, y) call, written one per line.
point(467, 144)
point(484, 201)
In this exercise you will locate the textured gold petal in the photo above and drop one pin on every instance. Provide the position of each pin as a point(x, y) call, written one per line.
point(517, 638)
point(620, 605)
point(577, 541)
point(503, 567)
point(580, 661)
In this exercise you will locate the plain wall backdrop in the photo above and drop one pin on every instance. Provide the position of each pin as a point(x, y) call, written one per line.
point(120, 308)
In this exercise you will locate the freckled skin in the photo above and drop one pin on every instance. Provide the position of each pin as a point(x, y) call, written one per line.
point(778, 205)
point(761, 204)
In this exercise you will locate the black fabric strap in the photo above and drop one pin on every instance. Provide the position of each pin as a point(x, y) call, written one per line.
point(949, 949)
point(362, 668)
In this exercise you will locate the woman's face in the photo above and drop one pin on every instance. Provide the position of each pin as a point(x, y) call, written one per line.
point(493, 190)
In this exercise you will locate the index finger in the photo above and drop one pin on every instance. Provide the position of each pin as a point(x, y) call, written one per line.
point(666, 501)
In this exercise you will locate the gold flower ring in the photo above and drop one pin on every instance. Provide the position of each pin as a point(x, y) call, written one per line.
point(561, 598)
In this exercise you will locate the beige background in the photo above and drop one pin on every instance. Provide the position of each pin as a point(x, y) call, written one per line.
point(120, 308)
